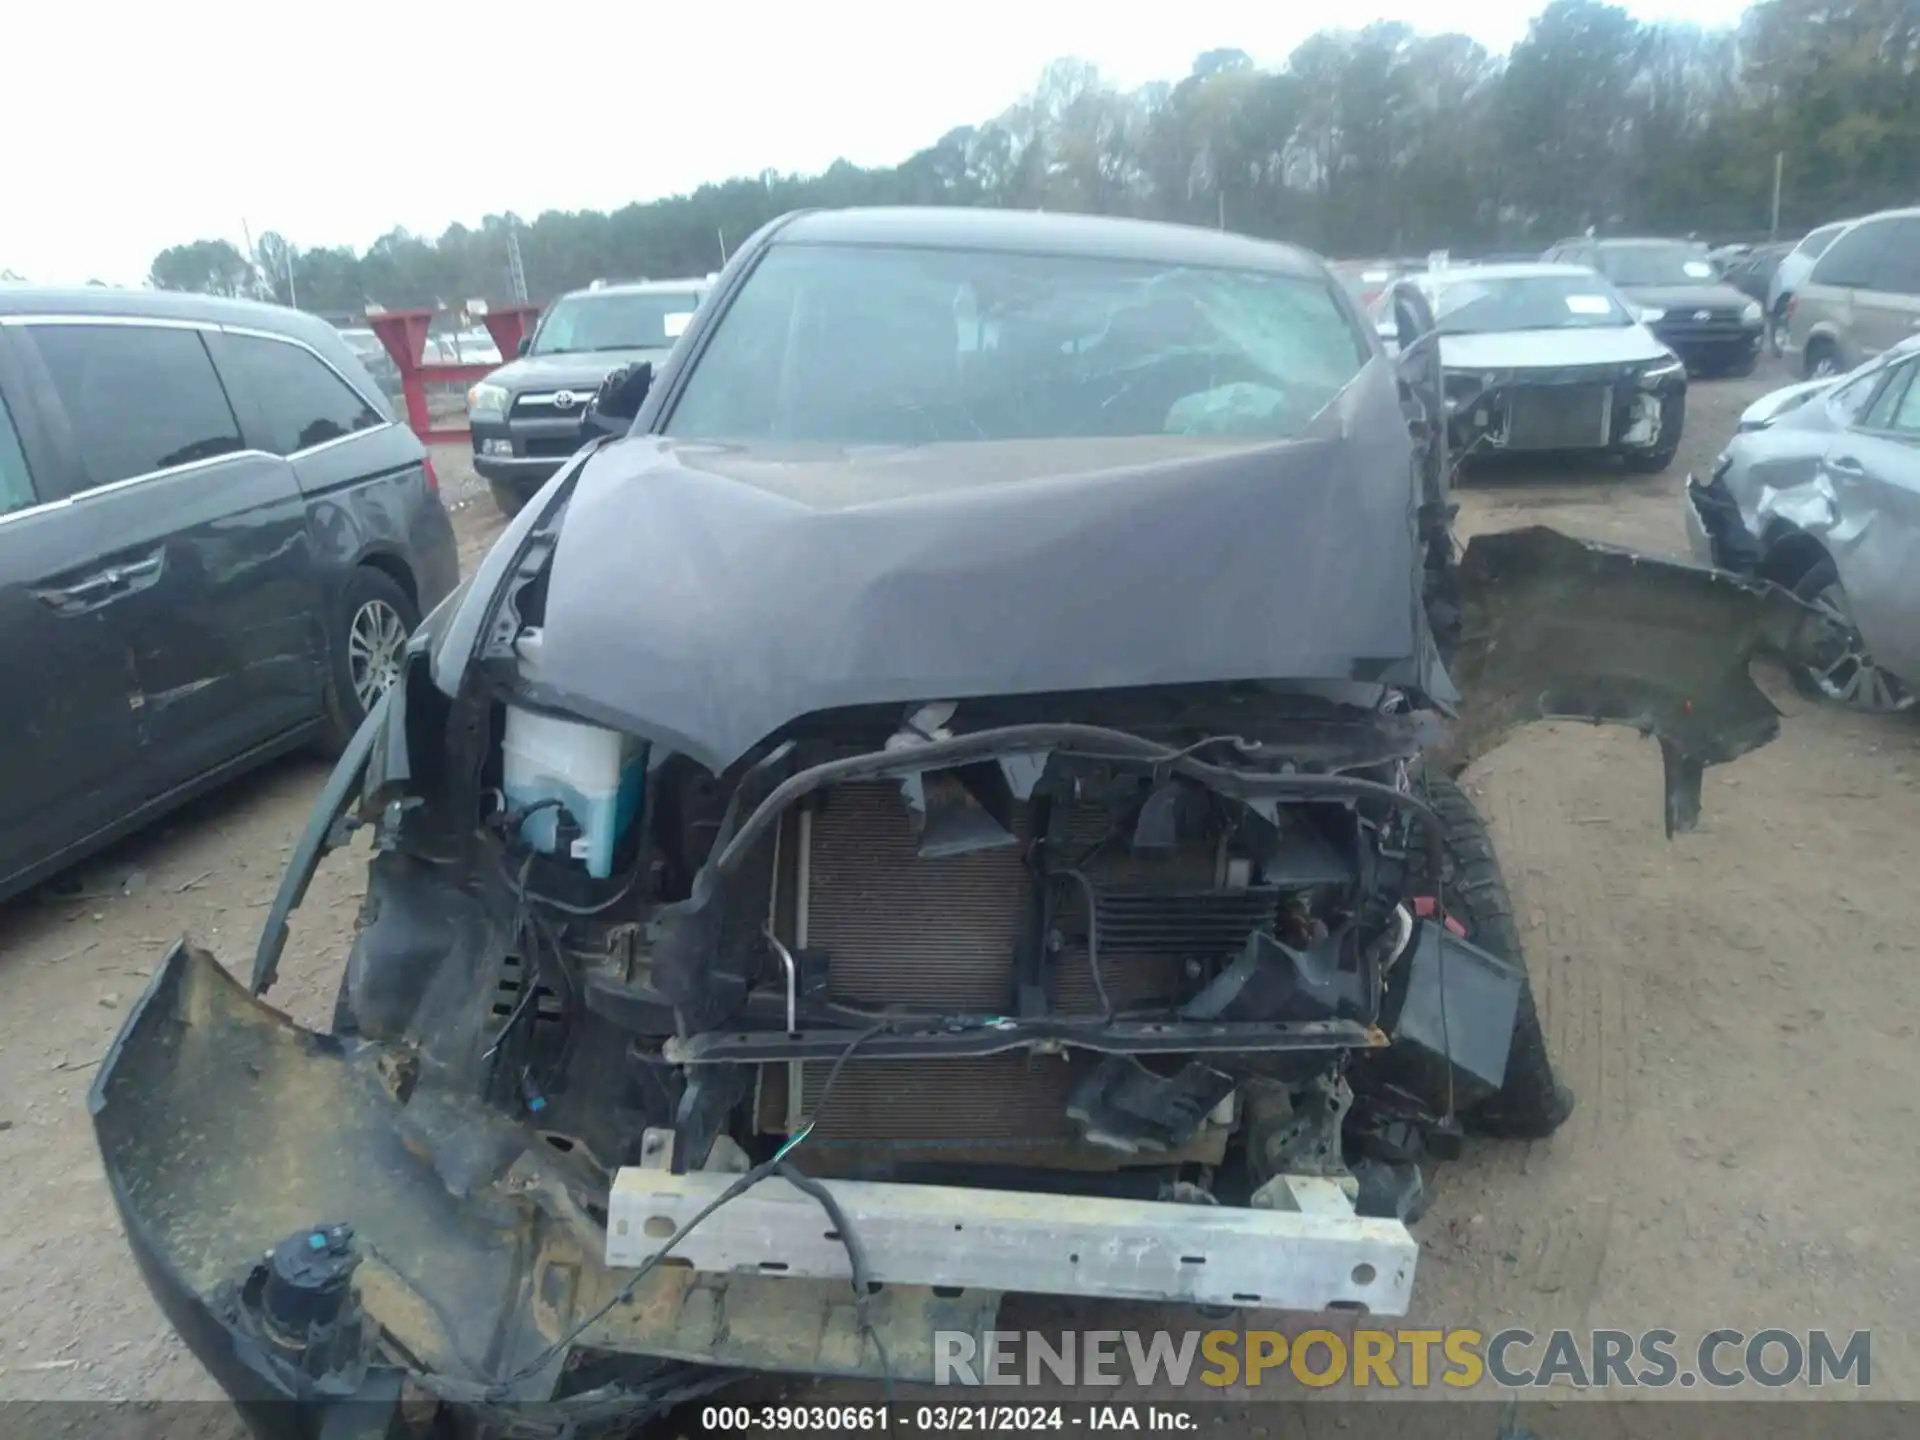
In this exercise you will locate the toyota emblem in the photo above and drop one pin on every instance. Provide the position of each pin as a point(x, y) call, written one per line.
point(1703, 315)
point(564, 399)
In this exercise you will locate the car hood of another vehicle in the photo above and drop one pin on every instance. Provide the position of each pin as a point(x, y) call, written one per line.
point(1550, 349)
point(1709, 295)
point(582, 372)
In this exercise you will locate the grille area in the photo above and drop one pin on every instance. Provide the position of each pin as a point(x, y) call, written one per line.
point(1557, 417)
point(560, 446)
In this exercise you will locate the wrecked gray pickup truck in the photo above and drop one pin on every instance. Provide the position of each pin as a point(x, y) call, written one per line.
point(957, 802)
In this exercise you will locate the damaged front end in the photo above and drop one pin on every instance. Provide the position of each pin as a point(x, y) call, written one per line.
point(648, 1072)
point(1636, 408)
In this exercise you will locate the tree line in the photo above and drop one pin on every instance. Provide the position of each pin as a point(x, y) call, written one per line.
point(1375, 141)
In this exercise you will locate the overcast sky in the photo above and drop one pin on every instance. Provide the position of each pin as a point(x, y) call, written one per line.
point(151, 125)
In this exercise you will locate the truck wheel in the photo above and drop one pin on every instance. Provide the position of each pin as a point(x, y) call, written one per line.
point(1531, 1104)
point(506, 497)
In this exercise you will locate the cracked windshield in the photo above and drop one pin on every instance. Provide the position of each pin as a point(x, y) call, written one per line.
point(903, 347)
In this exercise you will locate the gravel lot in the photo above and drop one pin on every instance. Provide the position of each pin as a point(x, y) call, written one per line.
point(1734, 1008)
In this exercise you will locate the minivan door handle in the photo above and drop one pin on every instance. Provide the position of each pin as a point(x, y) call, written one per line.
point(139, 571)
point(83, 594)
point(1848, 466)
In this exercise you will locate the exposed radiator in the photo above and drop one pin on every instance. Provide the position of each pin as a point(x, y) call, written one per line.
point(1008, 1109)
point(901, 930)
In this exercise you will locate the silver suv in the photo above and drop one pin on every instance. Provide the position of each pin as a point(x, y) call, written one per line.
point(1862, 296)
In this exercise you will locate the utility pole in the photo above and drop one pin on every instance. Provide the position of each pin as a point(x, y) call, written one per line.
point(1221, 196)
point(1779, 164)
point(516, 272)
point(293, 296)
point(253, 261)
point(721, 235)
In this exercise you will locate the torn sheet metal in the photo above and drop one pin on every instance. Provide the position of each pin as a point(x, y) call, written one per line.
point(1557, 628)
point(704, 595)
point(1869, 524)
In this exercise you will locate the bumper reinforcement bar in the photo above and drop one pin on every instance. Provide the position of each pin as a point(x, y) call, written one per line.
point(1314, 1255)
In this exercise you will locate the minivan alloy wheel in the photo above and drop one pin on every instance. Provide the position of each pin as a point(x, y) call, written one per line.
point(376, 644)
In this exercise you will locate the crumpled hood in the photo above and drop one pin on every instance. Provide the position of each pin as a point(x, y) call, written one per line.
point(704, 596)
point(582, 372)
point(1550, 349)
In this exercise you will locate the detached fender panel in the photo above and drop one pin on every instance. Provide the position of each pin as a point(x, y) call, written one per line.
point(1558, 628)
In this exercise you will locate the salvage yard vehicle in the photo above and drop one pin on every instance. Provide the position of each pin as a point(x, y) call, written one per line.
point(1861, 297)
point(527, 416)
point(214, 541)
point(1677, 293)
point(1550, 358)
point(958, 800)
point(1790, 275)
point(1816, 493)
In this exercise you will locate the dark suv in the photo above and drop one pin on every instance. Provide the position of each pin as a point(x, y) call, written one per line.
point(527, 415)
point(214, 542)
point(1681, 296)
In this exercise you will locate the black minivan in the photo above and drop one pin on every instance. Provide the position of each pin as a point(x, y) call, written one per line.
point(215, 538)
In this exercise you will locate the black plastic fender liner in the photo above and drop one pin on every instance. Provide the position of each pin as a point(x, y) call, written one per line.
point(1558, 628)
point(223, 1126)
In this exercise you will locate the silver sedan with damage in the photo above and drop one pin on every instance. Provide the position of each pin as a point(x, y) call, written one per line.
point(1550, 358)
point(1819, 491)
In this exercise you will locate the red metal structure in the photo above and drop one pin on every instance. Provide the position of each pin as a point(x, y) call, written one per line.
point(404, 333)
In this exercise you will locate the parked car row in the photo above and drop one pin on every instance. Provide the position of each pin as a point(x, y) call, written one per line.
point(214, 541)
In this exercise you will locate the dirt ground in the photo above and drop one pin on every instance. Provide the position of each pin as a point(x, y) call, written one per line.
point(1736, 1010)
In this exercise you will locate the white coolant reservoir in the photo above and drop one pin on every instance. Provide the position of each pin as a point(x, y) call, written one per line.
point(598, 774)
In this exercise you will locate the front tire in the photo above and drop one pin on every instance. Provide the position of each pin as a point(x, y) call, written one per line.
point(1853, 681)
point(373, 620)
point(1531, 1104)
point(506, 497)
point(1822, 360)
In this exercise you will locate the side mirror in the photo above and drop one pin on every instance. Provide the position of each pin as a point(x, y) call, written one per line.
point(526, 344)
point(619, 398)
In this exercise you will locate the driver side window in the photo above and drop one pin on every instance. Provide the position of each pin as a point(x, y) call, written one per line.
point(1896, 408)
